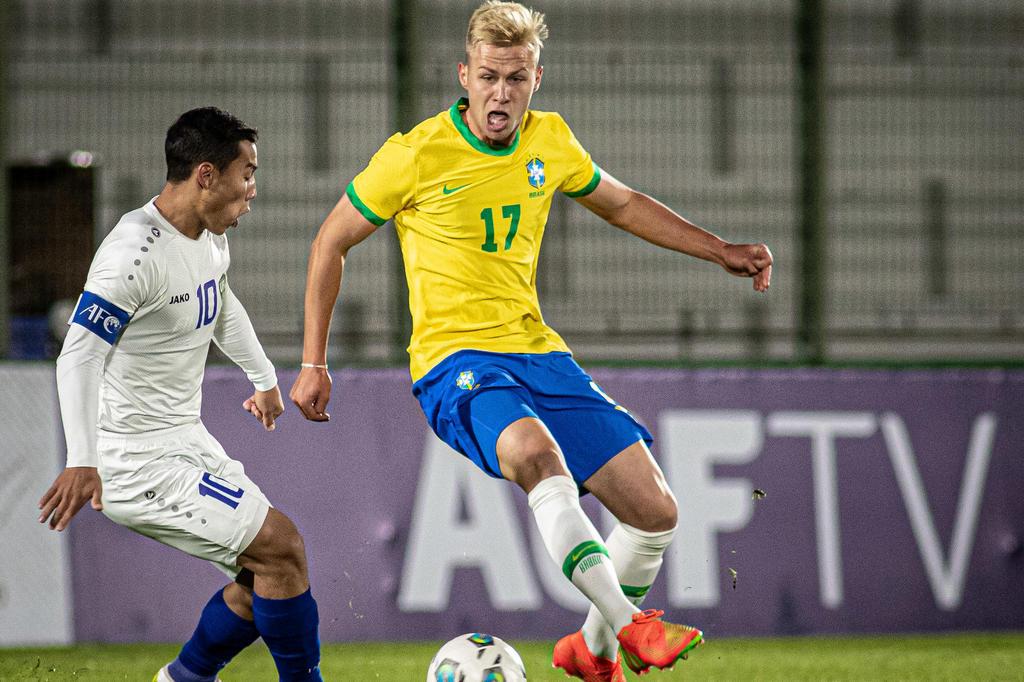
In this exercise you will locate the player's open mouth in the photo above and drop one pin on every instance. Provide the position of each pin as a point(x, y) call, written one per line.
point(235, 224)
point(496, 121)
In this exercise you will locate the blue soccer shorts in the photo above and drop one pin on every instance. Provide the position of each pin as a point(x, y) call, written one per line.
point(471, 396)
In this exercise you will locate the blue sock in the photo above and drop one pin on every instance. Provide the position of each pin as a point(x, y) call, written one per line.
point(219, 636)
point(290, 629)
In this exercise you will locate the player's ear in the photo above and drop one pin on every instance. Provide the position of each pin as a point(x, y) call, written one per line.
point(205, 174)
point(540, 72)
point(463, 70)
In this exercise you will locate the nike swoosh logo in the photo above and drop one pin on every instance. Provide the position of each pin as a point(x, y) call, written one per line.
point(453, 189)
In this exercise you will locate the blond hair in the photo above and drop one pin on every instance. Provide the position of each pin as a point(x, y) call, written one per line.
point(506, 24)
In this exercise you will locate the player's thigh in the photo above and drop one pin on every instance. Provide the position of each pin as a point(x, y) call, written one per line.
point(474, 399)
point(500, 430)
point(633, 488)
point(469, 400)
point(589, 426)
point(204, 506)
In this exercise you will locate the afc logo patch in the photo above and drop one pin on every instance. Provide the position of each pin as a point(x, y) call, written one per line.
point(535, 173)
point(101, 317)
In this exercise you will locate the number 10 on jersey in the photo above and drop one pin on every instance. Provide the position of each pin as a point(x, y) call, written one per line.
point(206, 294)
point(510, 213)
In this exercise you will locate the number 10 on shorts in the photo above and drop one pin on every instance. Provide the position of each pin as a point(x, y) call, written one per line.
point(219, 489)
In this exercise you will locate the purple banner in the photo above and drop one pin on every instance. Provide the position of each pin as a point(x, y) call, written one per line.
point(892, 503)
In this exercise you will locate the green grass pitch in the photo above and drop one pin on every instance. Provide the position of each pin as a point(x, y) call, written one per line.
point(974, 656)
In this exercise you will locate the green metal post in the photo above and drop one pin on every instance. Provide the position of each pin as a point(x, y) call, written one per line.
point(318, 113)
point(406, 60)
point(936, 263)
point(5, 261)
point(811, 155)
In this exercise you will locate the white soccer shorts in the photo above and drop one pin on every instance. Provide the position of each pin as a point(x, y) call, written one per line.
point(179, 487)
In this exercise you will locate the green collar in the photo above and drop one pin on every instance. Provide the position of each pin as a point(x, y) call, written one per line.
point(456, 113)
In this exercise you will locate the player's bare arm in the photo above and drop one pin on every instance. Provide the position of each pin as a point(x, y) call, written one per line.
point(652, 221)
point(266, 406)
point(344, 227)
point(72, 488)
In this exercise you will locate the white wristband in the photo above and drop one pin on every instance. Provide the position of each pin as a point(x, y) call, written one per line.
point(310, 365)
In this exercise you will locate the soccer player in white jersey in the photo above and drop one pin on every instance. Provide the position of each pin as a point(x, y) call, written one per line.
point(129, 379)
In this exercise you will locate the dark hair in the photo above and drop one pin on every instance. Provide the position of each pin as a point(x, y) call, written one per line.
point(204, 134)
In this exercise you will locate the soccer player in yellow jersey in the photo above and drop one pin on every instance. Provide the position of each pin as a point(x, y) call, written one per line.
point(469, 191)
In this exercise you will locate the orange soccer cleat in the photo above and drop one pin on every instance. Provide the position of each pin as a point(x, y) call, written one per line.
point(573, 656)
point(651, 642)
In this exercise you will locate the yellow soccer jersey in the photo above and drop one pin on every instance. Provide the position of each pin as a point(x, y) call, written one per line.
point(470, 219)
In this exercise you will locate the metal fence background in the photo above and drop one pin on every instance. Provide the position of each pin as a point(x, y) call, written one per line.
point(694, 102)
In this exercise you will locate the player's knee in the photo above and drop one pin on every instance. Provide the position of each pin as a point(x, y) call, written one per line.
point(544, 464)
point(527, 454)
point(280, 548)
point(290, 554)
point(667, 516)
point(660, 514)
point(528, 466)
point(657, 514)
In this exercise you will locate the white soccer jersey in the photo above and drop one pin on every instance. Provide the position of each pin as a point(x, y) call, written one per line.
point(159, 298)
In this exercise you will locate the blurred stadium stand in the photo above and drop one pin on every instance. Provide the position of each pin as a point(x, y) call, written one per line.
point(692, 101)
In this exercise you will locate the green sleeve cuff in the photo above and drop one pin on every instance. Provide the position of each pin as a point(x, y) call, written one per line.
point(350, 191)
point(591, 186)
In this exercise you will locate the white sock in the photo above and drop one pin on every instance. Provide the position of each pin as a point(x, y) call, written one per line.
point(575, 545)
point(636, 555)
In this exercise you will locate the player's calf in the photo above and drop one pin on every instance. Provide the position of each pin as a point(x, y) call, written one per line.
point(290, 629)
point(284, 611)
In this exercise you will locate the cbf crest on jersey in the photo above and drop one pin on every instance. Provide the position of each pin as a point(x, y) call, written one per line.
point(466, 381)
point(535, 172)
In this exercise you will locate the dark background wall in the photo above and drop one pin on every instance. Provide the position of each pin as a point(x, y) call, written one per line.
point(908, 248)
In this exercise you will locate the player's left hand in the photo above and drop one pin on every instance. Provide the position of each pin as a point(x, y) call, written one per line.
point(265, 406)
point(73, 487)
point(749, 260)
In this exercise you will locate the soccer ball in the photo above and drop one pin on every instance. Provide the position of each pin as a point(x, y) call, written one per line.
point(475, 657)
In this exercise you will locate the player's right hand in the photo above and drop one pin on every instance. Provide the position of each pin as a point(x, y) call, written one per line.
point(265, 406)
point(68, 493)
point(311, 392)
point(749, 260)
